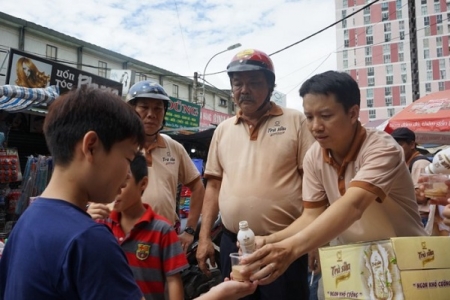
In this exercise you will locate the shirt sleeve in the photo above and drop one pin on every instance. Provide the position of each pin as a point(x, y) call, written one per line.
point(213, 166)
point(313, 191)
point(96, 268)
point(173, 258)
point(418, 168)
point(305, 139)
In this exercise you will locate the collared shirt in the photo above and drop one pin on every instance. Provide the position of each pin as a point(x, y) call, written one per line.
point(374, 163)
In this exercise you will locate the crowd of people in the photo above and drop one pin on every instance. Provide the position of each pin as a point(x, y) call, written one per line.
point(300, 180)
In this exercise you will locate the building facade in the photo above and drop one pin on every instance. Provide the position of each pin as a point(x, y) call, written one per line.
point(397, 51)
point(47, 43)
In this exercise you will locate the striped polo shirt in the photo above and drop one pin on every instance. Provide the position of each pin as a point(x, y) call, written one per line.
point(152, 249)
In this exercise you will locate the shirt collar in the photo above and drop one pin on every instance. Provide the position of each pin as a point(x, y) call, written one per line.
point(146, 217)
point(274, 110)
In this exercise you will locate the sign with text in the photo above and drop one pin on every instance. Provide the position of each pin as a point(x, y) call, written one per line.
point(210, 117)
point(182, 114)
point(32, 71)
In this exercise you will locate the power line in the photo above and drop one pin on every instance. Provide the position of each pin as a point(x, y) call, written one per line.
point(329, 26)
point(182, 35)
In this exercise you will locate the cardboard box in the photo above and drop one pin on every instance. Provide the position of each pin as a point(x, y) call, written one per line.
point(406, 268)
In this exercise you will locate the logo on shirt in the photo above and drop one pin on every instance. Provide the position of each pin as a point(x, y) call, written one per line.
point(142, 251)
point(168, 159)
point(276, 129)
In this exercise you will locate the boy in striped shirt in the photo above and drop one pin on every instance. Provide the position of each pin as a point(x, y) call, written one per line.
point(150, 243)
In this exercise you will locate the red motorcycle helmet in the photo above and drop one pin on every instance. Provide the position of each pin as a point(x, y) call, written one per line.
point(252, 60)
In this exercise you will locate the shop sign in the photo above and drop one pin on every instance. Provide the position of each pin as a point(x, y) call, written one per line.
point(210, 117)
point(182, 114)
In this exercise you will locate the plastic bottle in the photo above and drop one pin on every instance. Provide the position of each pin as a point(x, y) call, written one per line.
point(440, 164)
point(246, 238)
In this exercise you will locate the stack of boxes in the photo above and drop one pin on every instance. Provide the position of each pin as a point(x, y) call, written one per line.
point(406, 268)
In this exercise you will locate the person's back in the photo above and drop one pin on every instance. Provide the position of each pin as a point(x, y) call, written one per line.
point(56, 251)
point(150, 243)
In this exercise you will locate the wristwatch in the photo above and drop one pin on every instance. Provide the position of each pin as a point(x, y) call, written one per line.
point(189, 230)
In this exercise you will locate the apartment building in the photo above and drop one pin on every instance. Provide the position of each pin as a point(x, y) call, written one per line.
point(397, 50)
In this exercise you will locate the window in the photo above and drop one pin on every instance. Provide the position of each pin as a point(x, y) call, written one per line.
point(441, 86)
point(404, 78)
point(388, 91)
point(426, 21)
point(368, 51)
point(223, 102)
point(102, 68)
point(439, 41)
point(389, 69)
point(439, 28)
point(372, 114)
point(384, 15)
point(439, 52)
point(370, 81)
point(142, 77)
point(443, 74)
point(369, 102)
point(428, 62)
point(442, 64)
point(346, 34)
point(402, 35)
point(437, 7)
point(367, 11)
point(427, 31)
point(384, 6)
point(401, 57)
point(428, 87)
point(400, 47)
point(344, 3)
point(429, 75)
point(426, 53)
point(366, 20)
point(399, 14)
point(439, 19)
point(345, 54)
point(426, 43)
point(386, 49)
point(51, 52)
point(175, 90)
point(389, 79)
point(387, 37)
point(370, 71)
point(402, 89)
point(401, 25)
point(369, 30)
point(346, 43)
point(345, 64)
point(369, 40)
point(423, 2)
point(398, 4)
point(368, 61)
point(387, 27)
point(391, 112)
point(403, 68)
point(369, 93)
point(402, 99)
point(388, 101)
point(387, 58)
point(424, 10)
point(344, 23)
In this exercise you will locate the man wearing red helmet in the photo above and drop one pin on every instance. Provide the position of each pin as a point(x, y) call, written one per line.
point(254, 171)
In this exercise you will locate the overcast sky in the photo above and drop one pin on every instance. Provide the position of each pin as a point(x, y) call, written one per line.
point(181, 36)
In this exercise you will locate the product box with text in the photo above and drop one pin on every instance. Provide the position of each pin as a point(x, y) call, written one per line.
point(406, 268)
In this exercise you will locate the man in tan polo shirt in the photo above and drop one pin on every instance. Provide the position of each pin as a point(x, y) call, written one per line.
point(356, 185)
point(254, 171)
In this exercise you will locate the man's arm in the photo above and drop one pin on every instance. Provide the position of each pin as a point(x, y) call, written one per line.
point(196, 204)
point(175, 287)
point(209, 215)
point(334, 220)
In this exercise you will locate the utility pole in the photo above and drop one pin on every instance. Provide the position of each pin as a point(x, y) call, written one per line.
point(194, 88)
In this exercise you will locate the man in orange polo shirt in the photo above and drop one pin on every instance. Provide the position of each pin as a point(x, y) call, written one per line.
point(356, 185)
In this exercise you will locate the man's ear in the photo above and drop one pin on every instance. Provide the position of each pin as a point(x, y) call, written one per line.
point(90, 145)
point(354, 113)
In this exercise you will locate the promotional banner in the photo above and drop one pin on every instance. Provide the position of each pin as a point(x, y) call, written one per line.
point(210, 117)
point(31, 71)
point(182, 114)
point(125, 77)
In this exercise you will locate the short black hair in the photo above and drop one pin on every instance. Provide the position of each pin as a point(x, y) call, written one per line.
point(340, 84)
point(86, 109)
point(138, 167)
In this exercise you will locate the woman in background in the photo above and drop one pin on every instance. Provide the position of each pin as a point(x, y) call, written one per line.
point(28, 75)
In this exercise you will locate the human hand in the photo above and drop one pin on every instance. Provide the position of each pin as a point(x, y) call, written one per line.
point(446, 215)
point(314, 261)
point(231, 289)
point(186, 240)
point(269, 262)
point(98, 211)
point(420, 192)
point(205, 250)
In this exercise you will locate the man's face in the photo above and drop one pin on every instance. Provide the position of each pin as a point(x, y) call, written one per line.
point(330, 125)
point(151, 112)
point(250, 90)
point(408, 148)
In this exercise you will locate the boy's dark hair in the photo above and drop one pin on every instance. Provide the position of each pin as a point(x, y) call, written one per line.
point(85, 109)
point(139, 167)
point(340, 84)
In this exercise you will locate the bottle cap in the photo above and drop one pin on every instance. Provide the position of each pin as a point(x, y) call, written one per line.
point(243, 225)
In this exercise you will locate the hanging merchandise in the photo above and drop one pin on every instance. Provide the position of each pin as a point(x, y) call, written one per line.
point(9, 166)
point(36, 177)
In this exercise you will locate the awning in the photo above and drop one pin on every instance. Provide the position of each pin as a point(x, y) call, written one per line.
point(15, 98)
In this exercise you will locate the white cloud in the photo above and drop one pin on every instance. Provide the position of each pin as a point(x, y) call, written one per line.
point(182, 35)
